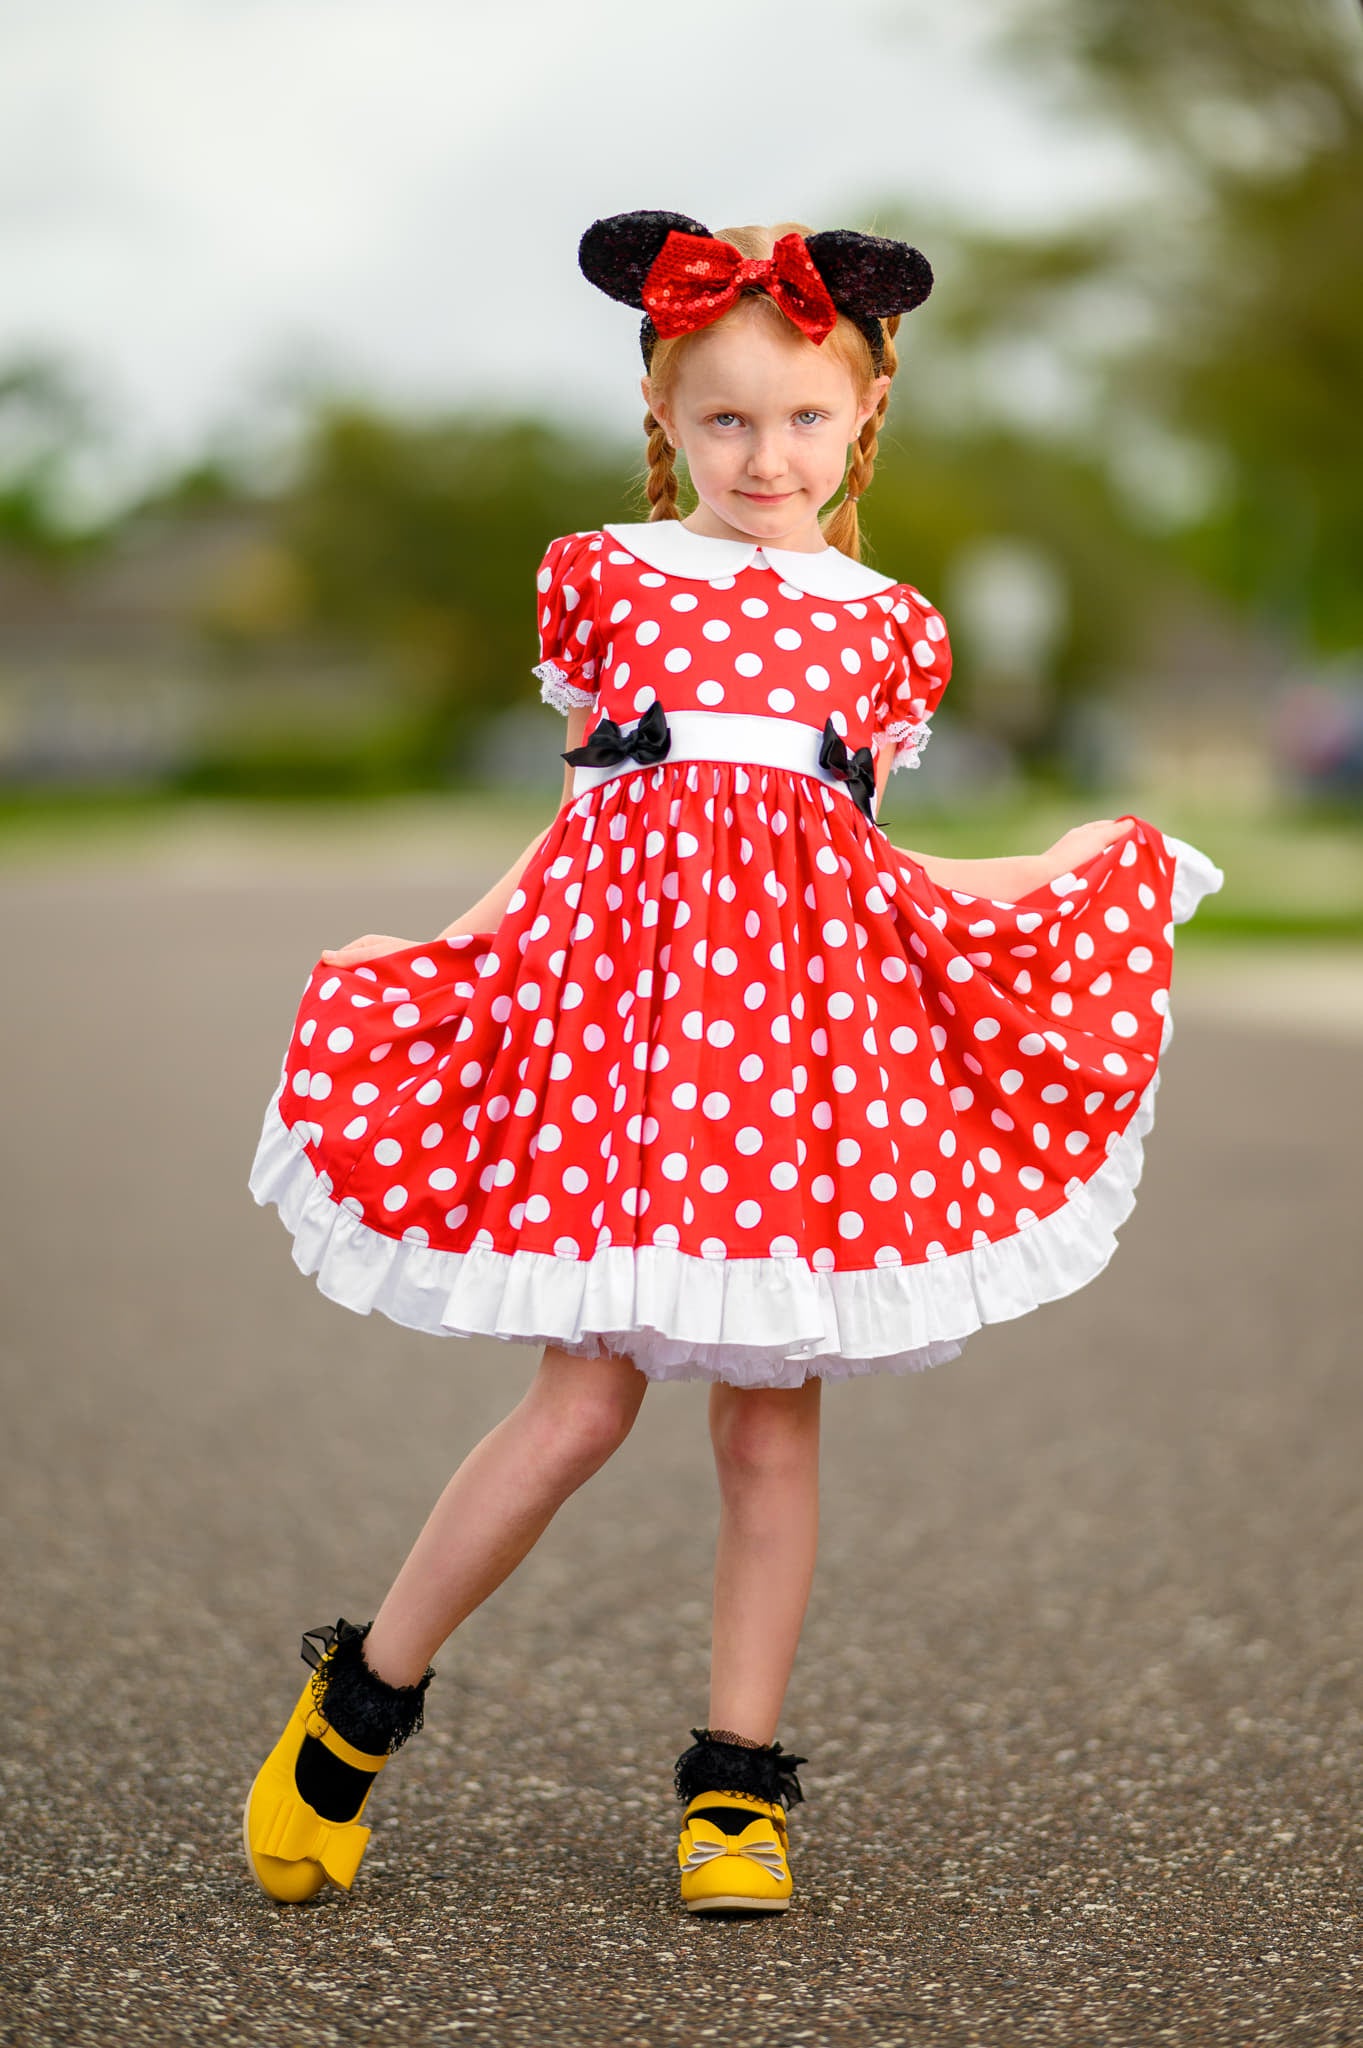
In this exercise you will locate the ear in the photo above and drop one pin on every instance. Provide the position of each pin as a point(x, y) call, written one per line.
point(660, 412)
point(877, 391)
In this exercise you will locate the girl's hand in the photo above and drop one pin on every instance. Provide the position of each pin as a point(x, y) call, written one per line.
point(1081, 843)
point(370, 947)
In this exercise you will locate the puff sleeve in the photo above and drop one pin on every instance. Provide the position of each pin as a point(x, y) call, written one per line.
point(916, 673)
point(569, 584)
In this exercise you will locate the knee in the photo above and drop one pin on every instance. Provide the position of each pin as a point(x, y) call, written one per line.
point(585, 1424)
point(761, 1433)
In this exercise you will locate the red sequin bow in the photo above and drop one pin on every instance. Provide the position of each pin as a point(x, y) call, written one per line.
point(695, 278)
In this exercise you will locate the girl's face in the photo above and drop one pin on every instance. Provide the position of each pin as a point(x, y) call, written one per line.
point(765, 420)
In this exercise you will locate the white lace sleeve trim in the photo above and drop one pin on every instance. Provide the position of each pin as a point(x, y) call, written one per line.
point(556, 689)
point(908, 736)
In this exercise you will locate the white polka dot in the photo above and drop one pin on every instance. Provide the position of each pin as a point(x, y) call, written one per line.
point(786, 637)
point(647, 631)
point(748, 1215)
point(781, 700)
point(754, 607)
point(1124, 1024)
point(715, 629)
point(710, 692)
point(748, 664)
point(922, 1183)
point(818, 678)
point(685, 601)
point(714, 1178)
point(1115, 918)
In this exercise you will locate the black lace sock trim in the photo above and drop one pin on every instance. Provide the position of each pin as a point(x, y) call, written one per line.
point(362, 1707)
point(714, 1765)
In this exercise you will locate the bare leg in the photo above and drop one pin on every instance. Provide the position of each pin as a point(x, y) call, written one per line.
point(766, 1445)
point(575, 1412)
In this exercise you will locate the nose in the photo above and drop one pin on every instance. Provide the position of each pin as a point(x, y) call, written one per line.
point(767, 459)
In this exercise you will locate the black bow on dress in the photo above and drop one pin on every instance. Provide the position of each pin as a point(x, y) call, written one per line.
point(649, 740)
point(857, 770)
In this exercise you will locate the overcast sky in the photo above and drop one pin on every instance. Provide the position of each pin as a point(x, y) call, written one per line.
point(193, 192)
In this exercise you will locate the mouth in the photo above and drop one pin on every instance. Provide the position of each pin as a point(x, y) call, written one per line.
point(766, 497)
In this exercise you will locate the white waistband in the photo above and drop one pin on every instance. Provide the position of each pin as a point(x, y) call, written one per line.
point(728, 736)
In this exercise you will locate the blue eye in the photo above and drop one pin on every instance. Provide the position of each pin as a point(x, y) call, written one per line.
point(720, 417)
point(810, 413)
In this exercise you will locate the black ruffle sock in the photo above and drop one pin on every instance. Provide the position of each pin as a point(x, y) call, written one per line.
point(362, 1708)
point(713, 1765)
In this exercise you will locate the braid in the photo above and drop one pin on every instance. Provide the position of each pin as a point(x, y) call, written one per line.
point(661, 482)
point(842, 529)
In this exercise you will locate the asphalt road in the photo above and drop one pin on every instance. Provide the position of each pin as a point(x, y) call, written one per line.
point(1081, 1682)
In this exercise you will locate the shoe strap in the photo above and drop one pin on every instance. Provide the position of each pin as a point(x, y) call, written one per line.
point(360, 1759)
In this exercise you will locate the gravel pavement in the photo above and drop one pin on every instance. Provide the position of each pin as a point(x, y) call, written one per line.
point(1080, 1687)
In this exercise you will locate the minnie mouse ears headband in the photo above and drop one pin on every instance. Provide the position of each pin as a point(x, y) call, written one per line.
point(684, 277)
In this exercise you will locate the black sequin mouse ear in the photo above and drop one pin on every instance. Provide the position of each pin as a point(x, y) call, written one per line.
point(616, 254)
point(869, 276)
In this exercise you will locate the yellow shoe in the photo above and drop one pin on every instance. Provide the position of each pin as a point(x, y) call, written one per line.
point(734, 1849)
point(734, 1854)
point(293, 1849)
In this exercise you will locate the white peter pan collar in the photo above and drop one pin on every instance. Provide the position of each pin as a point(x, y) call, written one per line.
point(674, 550)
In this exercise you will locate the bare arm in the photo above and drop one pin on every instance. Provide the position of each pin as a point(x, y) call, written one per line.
point(1014, 875)
point(488, 911)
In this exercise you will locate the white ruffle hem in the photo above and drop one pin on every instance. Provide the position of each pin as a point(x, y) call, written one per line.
point(767, 1322)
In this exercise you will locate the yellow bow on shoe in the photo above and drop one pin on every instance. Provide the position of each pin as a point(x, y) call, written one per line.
point(295, 1834)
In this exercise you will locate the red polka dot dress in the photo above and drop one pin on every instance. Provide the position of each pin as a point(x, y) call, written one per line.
point(733, 1089)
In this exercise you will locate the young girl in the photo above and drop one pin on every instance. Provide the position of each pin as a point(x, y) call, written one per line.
point(716, 1083)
